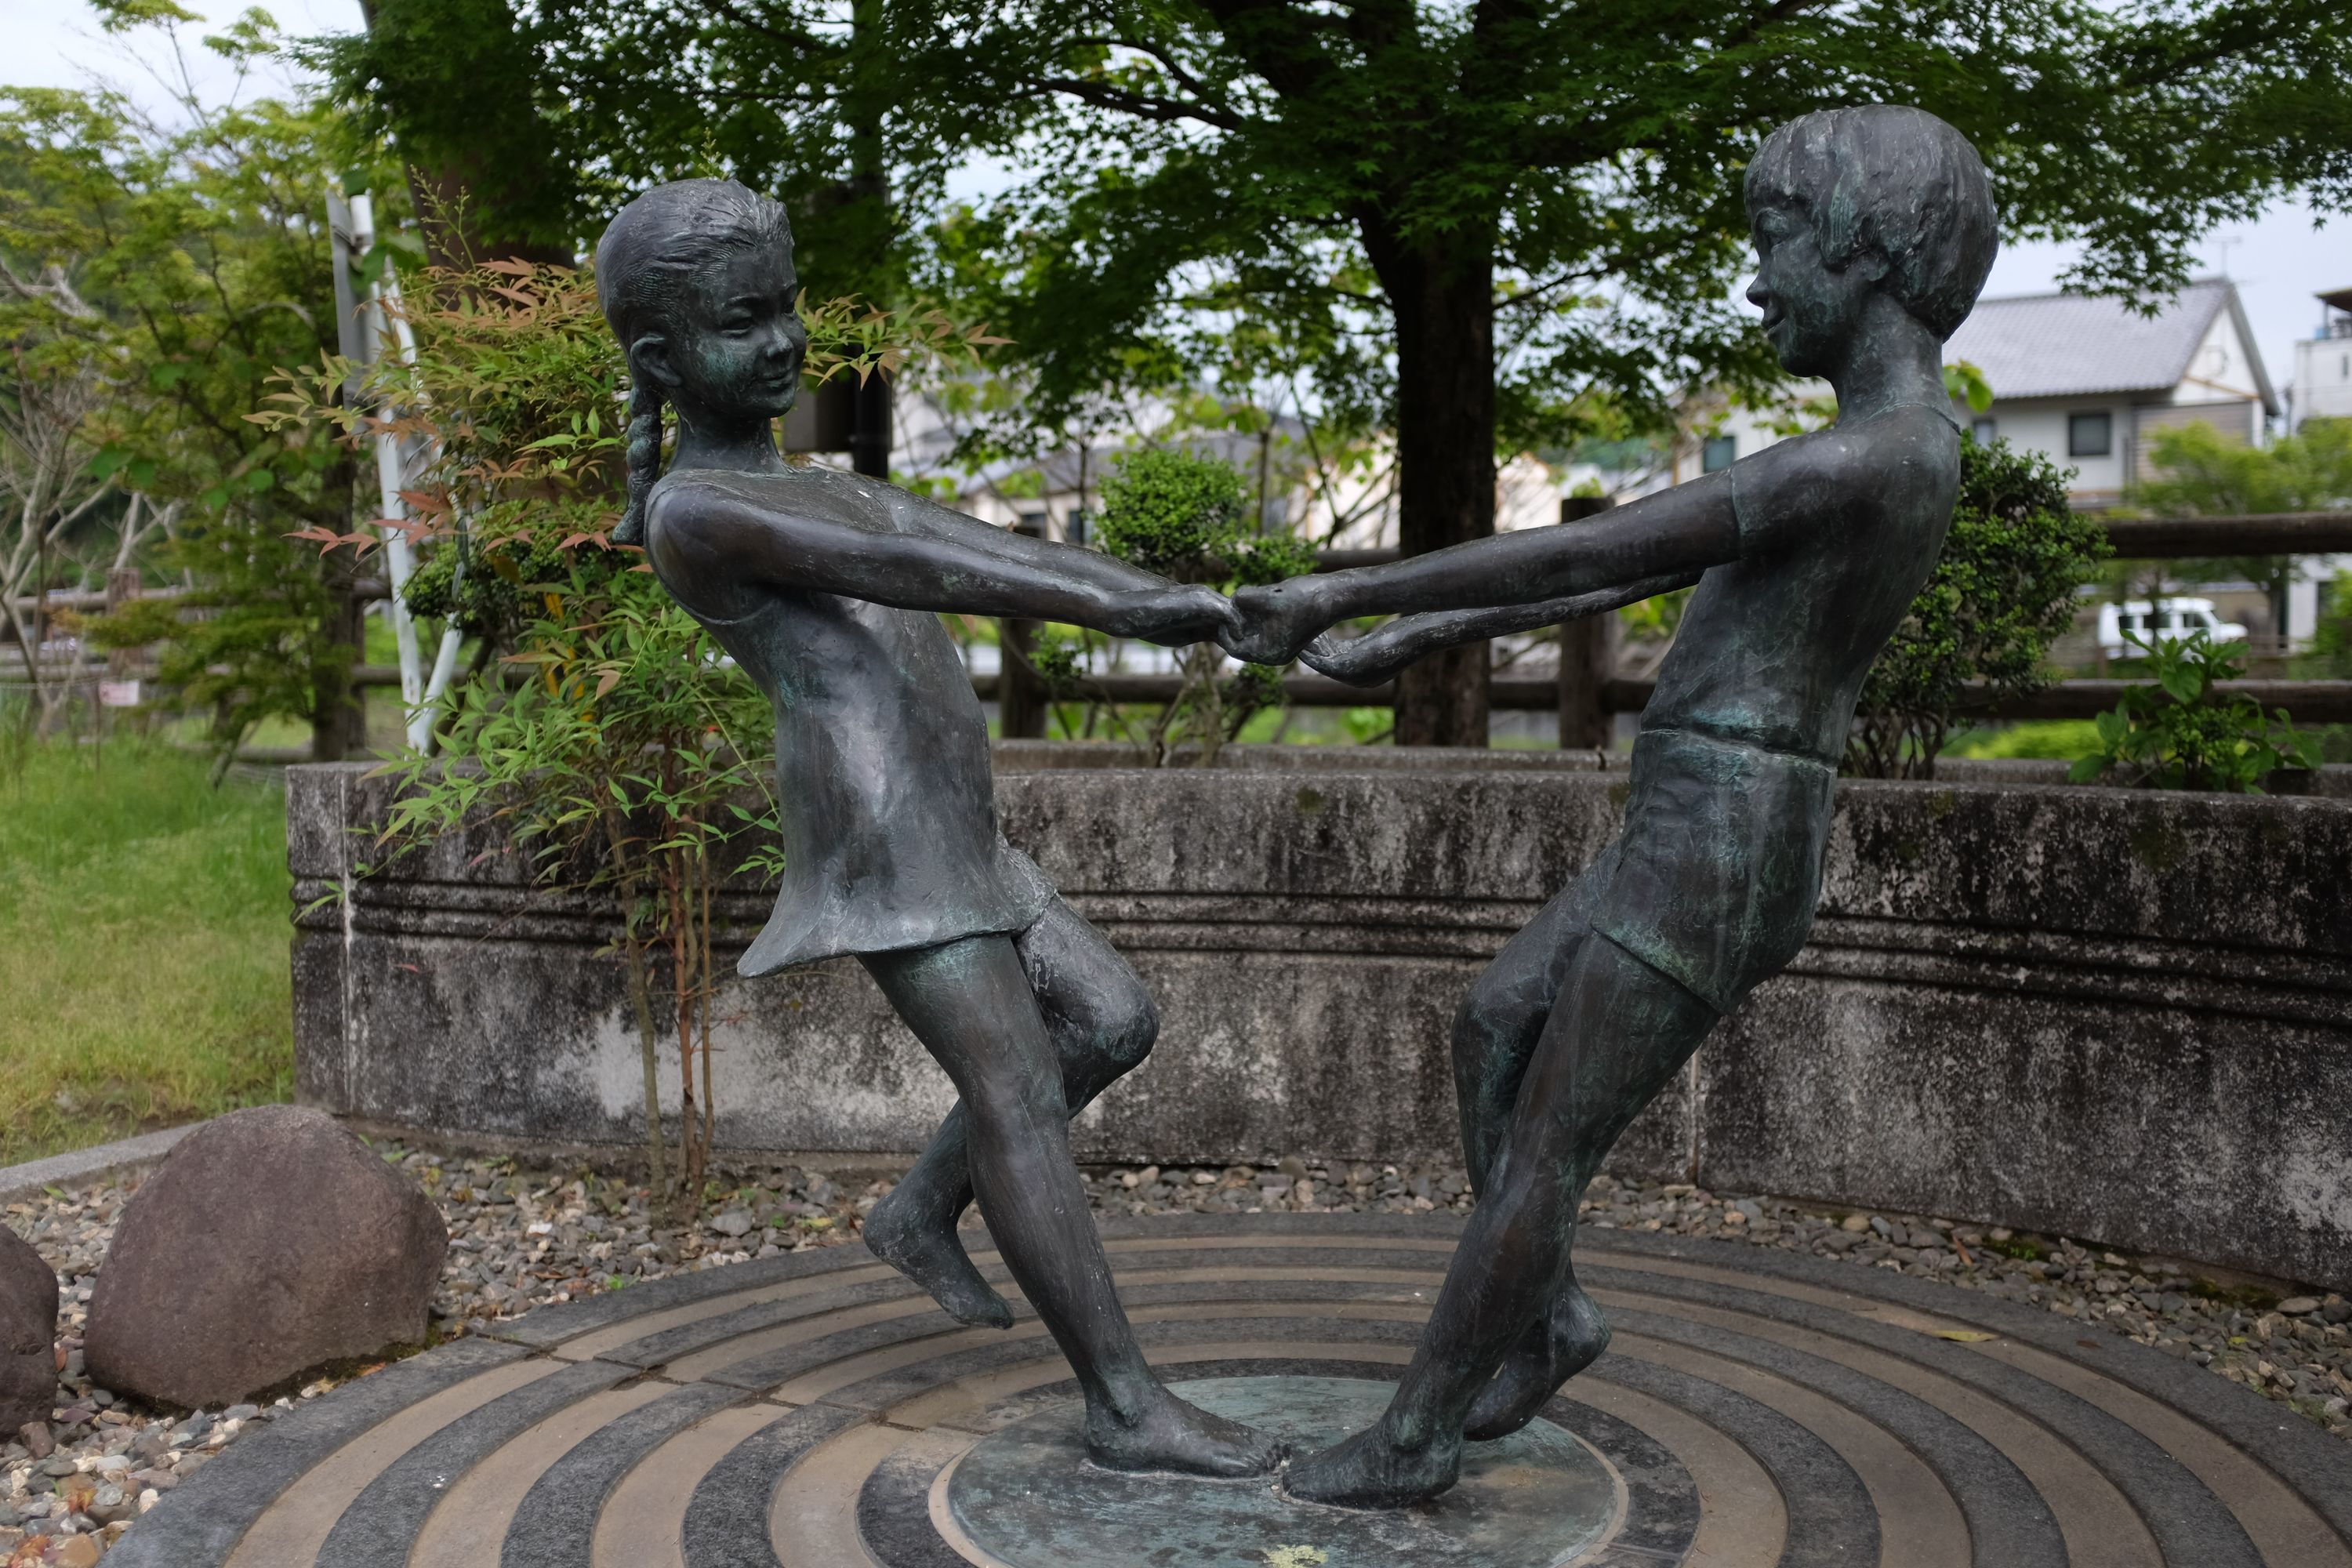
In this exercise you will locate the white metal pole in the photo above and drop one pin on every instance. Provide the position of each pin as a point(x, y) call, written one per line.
point(391, 472)
point(445, 657)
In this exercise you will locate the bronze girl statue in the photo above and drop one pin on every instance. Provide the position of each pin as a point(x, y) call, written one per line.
point(825, 587)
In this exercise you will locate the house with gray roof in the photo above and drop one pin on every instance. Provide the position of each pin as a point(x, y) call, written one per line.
point(2093, 383)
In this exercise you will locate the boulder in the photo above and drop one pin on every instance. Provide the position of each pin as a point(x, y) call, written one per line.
point(28, 1334)
point(268, 1242)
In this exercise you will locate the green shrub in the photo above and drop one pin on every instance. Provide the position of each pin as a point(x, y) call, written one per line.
point(1186, 516)
point(2179, 733)
point(2003, 590)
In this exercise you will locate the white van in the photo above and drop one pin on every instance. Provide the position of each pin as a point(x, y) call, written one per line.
point(2167, 620)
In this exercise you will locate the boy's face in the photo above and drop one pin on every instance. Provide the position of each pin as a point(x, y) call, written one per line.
point(1811, 310)
point(742, 354)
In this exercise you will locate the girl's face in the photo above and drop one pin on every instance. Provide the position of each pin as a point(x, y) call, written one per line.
point(739, 354)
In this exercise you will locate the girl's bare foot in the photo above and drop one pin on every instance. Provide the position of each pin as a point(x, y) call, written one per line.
point(1548, 1356)
point(903, 1233)
point(1369, 1470)
point(1169, 1435)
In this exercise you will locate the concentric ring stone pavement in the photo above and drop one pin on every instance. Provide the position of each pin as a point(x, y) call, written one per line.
point(1756, 1410)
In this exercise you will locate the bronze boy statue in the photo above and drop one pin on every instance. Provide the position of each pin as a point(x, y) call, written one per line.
point(1873, 230)
point(822, 587)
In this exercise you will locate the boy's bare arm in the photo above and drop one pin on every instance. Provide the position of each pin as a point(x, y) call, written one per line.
point(730, 529)
point(1369, 660)
point(1674, 534)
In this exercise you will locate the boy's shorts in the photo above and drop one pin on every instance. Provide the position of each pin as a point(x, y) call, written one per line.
point(1716, 875)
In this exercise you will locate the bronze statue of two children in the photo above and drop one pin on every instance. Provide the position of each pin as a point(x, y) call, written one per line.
point(1873, 230)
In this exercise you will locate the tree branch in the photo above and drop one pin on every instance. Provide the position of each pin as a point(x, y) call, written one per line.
point(1136, 105)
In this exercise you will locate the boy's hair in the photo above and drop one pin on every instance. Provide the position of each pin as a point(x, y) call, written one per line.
point(1896, 181)
point(649, 253)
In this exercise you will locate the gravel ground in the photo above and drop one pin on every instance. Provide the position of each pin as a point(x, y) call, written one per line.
point(523, 1238)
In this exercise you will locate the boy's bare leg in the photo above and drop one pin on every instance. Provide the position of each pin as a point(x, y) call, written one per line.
point(1102, 1023)
point(1495, 1037)
point(1615, 1037)
point(970, 1005)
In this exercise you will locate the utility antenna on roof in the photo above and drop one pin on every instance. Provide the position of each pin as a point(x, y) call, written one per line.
point(2223, 244)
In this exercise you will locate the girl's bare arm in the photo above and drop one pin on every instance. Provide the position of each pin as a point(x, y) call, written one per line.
point(833, 534)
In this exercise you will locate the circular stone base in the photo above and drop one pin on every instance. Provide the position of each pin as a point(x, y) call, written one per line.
point(1756, 1407)
point(1027, 1498)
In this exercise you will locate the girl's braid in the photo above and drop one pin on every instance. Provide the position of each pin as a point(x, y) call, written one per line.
point(644, 449)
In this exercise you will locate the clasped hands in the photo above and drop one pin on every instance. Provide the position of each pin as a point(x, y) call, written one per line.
point(1270, 625)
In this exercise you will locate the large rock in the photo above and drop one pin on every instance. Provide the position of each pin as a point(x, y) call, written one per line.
point(28, 1329)
point(268, 1242)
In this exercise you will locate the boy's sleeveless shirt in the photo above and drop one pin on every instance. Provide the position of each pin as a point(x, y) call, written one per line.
point(884, 791)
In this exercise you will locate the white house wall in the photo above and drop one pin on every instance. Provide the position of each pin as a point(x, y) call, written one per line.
point(2323, 379)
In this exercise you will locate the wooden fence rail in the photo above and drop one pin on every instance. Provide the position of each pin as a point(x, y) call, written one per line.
point(2308, 701)
point(2280, 533)
point(2138, 538)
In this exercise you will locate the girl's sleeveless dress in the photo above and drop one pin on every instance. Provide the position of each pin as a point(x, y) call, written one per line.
point(883, 781)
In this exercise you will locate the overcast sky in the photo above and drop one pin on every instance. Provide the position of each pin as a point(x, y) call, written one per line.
point(2279, 262)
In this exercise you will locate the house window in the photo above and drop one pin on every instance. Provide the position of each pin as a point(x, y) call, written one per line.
point(1032, 522)
point(1984, 430)
point(1720, 452)
point(2090, 434)
point(1075, 530)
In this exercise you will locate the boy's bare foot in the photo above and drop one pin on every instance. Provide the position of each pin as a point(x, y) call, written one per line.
point(1169, 1435)
point(1371, 1471)
point(1548, 1356)
point(917, 1245)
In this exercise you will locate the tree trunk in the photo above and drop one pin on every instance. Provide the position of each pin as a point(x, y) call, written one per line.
point(339, 708)
point(1443, 304)
point(482, 170)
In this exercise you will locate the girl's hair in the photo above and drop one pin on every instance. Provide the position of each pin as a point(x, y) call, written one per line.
point(1895, 179)
point(645, 265)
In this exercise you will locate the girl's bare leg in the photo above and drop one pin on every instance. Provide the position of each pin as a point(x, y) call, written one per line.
point(1616, 1036)
point(1102, 1023)
point(970, 1005)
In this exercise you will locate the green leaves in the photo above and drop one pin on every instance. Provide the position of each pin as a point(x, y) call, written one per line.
point(1964, 383)
point(1185, 516)
point(2179, 734)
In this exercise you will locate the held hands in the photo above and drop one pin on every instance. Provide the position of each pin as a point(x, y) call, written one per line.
point(1178, 614)
point(1272, 624)
point(1262, 625)
point(1354, 661)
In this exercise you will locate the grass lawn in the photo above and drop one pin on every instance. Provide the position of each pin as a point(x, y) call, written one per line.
point(143, 932)
point(2056, 740)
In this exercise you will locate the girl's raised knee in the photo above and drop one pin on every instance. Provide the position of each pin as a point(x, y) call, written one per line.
point(1128, 1035)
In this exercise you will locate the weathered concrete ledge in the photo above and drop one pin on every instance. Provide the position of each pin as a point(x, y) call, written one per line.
point(77, 1166)
point(2117, 1015)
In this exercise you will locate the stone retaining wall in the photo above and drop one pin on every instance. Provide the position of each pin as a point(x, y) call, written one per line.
point(2116, 1015)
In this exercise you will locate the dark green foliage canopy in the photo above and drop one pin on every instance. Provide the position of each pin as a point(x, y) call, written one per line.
point(1574, 164)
